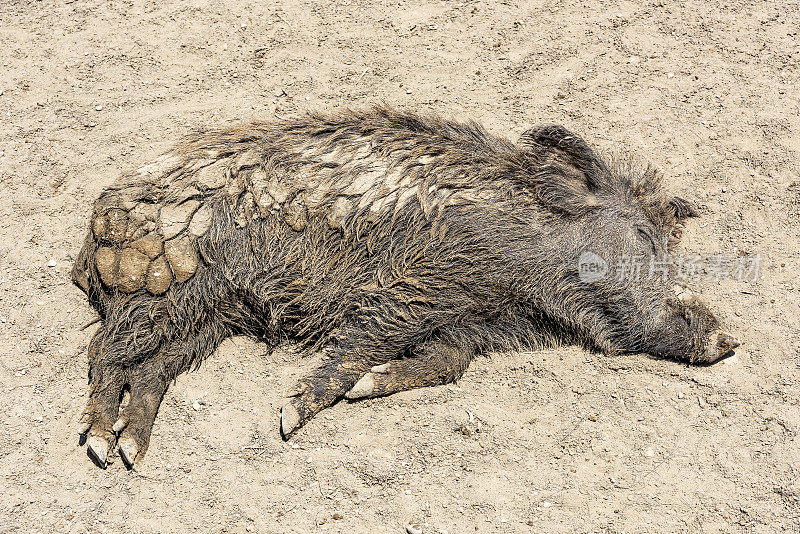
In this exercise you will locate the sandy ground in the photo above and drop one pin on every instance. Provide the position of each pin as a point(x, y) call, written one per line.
point(557, 440)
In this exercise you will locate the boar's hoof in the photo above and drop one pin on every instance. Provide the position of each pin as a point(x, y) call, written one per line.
point(98, 447)
point(85, 426)
point(128, 450)
point(363, 388)
point(719, 344)
point(290, 420)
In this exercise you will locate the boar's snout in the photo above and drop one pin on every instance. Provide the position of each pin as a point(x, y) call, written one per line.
point(719, 345)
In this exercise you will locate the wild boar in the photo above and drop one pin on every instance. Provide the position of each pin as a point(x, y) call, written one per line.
point(400, 245)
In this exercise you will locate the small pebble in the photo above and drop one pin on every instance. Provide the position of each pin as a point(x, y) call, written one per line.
point(51, 263)
point(195, 406)
point(99, 108)
point(337, 516)
point(680, 395)
point(413, 529)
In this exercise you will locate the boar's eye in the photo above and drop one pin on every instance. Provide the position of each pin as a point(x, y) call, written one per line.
point(647, 238)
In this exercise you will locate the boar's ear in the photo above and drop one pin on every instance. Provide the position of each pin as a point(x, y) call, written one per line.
point(683, 209)
point(555, 137)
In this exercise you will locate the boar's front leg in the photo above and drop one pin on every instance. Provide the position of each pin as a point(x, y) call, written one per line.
point(319, 390)
point(371, 338)
point(431, 364)
point(120, 355)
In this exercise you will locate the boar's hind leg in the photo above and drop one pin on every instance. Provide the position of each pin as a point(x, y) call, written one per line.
point(130, 367)
point(149, 382)
point(431, 364)
point(107, 383)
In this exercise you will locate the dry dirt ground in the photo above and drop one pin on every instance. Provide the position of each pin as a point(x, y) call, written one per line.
point(557, 440)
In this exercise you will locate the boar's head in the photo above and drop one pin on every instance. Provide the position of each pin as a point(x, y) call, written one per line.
point(613, 231)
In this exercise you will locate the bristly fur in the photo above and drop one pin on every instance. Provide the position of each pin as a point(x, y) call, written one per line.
point(373, 234)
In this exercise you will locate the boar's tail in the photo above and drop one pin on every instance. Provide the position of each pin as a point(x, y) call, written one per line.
point(86, 277)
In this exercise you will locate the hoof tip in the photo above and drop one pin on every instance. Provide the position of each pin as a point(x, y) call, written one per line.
point(98, 448)
point(128, 450)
